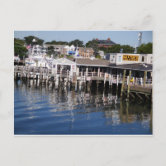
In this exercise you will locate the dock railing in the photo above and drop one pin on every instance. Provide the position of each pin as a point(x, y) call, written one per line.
point(112, 78)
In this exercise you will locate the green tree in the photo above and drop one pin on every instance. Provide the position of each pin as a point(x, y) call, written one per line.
point(145, 48)
point(76, 43)
point(93, 44)
point(113, 49)
point(58, 42)
point(29, 40)
point(117, 49)
point(127, 49)
point(98, 56)
point(19, 48)
point(51, 51)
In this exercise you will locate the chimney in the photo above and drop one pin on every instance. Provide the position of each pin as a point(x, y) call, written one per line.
point(109, 39)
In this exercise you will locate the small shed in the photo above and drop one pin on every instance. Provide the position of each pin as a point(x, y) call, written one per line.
point(63, 65)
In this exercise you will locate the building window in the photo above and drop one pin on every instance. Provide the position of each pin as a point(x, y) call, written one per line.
point(119, 58)
point(142, 58)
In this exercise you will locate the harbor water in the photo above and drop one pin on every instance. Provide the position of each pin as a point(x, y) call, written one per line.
point(49, 111)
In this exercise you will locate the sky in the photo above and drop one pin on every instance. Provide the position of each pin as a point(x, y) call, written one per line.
point(119, 37)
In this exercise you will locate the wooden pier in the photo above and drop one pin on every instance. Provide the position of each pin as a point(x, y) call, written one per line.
point(139, 88)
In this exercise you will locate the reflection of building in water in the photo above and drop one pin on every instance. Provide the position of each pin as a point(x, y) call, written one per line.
point(127, 113)
point(113, 117)
point(81, 102)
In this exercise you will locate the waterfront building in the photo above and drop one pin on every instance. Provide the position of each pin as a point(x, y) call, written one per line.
point(63, 65)
point(39, 61)
point(128, 58)
point(101, 53)
point(85, 52)
point(59, 49)
point(105, 43)
point(37, 50)
point(63, 49)
point(101, 66)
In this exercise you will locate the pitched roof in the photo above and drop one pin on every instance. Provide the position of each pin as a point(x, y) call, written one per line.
point(106, 63)
point(63, 61)
point(106, 42)
point(85, 48)
point(92, 62)
point(136, 66)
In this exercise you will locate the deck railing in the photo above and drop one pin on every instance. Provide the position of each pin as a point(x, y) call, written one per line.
point(112, 78)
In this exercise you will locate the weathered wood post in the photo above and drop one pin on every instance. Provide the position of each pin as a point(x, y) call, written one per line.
point(105, 79)
point(117, 83)
point(127, 111)
point(97, 84)
point(87, 71)
point(123, 82)
point(76, 84)
point(145, 76)
point(88, 85)
point(128, 86)
point(77, 71)
point(98, 73)
point(109, 79)
point(117, 80)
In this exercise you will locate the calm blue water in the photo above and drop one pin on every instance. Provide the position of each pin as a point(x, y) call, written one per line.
point(41, 111)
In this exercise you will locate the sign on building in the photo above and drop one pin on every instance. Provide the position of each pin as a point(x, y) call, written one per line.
point(130, 58)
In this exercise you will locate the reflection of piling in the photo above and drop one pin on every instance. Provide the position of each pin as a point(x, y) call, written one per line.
point(127, 111)
point(88, 85)
point(151, 121)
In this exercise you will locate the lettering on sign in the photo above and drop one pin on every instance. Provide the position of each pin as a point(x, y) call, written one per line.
point(130, 58)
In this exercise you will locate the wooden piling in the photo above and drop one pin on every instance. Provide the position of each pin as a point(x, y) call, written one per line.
point(128, 86)
point(145, 75)
point(123, 82)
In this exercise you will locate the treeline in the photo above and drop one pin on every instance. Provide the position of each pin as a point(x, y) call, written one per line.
point(20, 46)
point(76, 43)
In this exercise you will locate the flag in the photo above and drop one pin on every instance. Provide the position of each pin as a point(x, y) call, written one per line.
point(29, 46)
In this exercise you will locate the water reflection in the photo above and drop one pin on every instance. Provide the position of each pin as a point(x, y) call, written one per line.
point(41, 110)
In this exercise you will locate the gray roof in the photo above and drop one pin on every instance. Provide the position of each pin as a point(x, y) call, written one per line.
point(94, 62)
point(136, 66)
point(106, 42)
point(85, 48)
point(106, 63)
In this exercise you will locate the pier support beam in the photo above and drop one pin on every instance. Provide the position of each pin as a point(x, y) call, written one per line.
point(98, 73)
point(123, 81)
point(145, 76)
point(128, 86)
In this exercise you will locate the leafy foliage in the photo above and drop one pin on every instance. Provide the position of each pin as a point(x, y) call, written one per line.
point(127, 49)
point(58, 42)
point(93, 44)
point(145, 49)
point(51, 51)
point(117, 49)
point(98, 56)
point(29, 40)
point(76, 43)
point(19, 48)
